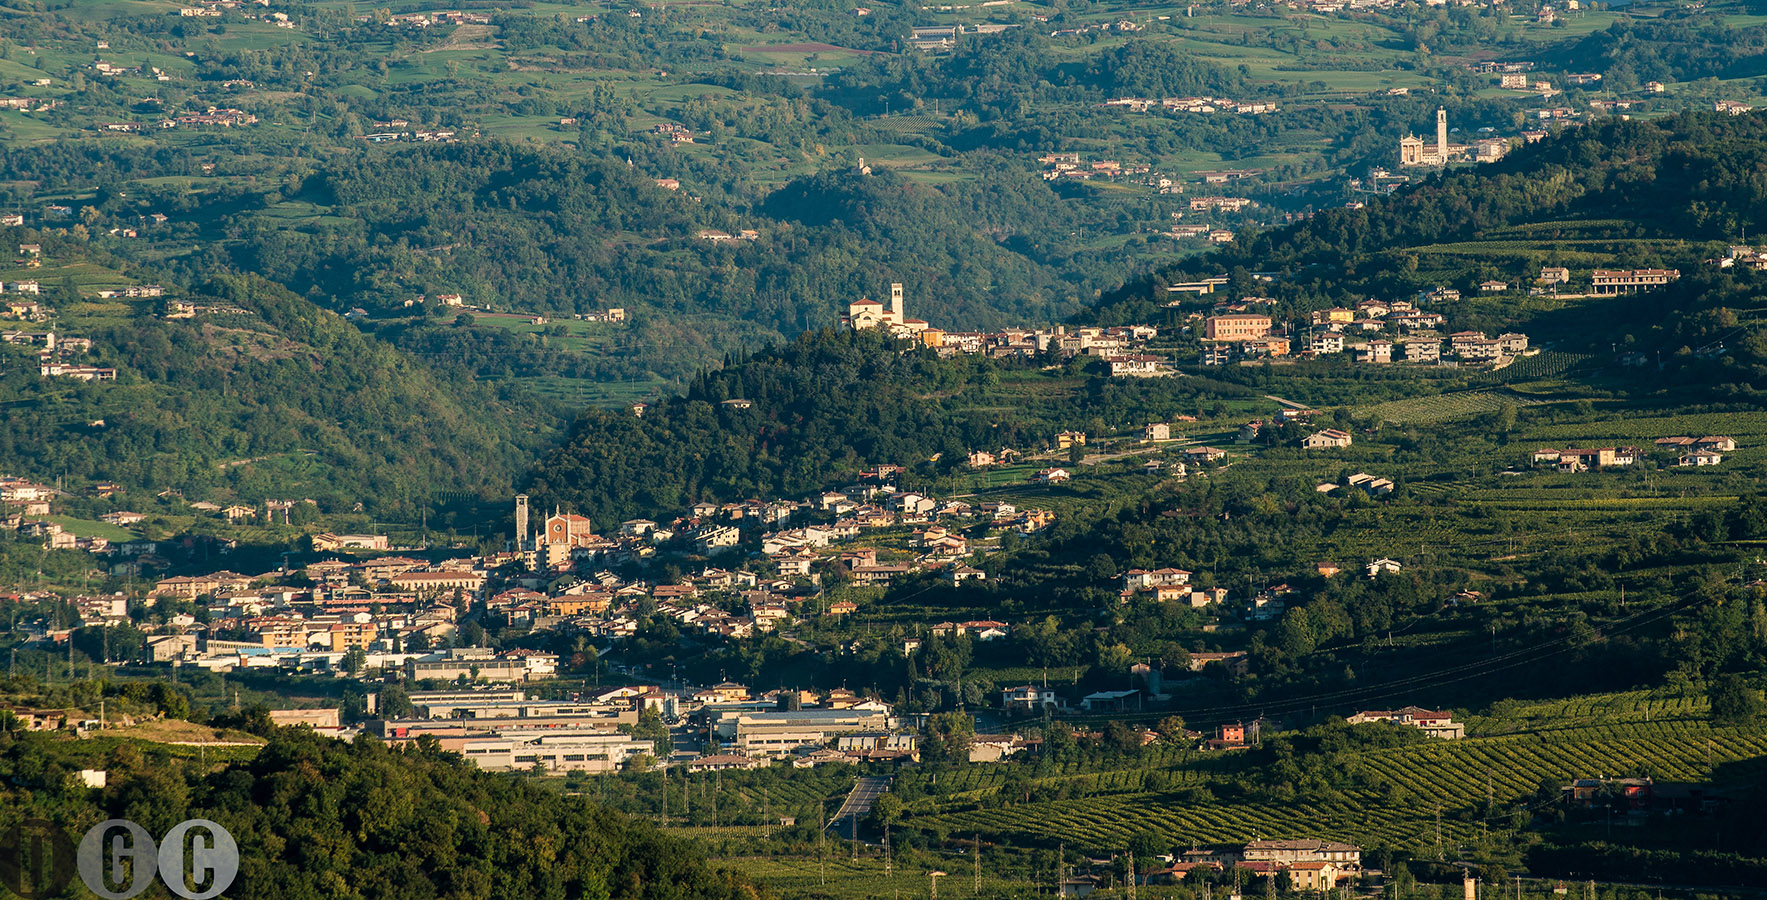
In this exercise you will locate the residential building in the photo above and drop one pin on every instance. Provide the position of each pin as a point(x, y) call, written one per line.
point(1236, 327)
point(1383, 565)
point(1028, 698)
point(1348, 856)
point(1439, 724)
point(1626, 281)
point(1329, 438)
point(325, 541)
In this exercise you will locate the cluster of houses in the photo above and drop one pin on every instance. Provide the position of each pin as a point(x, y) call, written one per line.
point(548, 593)
point(59, 355)
point(1687, 451)
point(1310, 864)
point(792, 537)
point(440, 136)
point(1169, 585)
point(1375, 331)
point(943, 38)
point(215, 116)
point(1070, 167)
point(1122, 347)
point(1371, 485)
point(1204, 105)
point(676, 133)
point(428, 19)
point(28, 104)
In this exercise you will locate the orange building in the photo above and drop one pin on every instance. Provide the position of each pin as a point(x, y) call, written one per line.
point(1235, 327)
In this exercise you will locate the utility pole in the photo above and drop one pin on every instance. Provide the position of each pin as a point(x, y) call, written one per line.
point(1061, 865)
point(978, 865)
point(822, 843)
point(1438, 829)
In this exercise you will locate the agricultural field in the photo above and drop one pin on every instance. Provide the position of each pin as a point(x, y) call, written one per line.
point(1449, 407)
point(1421, 799)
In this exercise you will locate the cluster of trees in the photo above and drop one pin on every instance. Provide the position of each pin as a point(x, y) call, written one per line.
point(315, 817)
point(1631, 52)
point(1002, 76)
point(824, 407)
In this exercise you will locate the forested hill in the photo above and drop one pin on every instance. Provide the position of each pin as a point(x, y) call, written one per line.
point(314, 817)
point(538, 229)
point(1688, 178)
point(826, 407)
point(1633, 51)
point(260, 395)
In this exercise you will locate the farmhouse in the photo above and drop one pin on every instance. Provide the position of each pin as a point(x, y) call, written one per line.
point(1383, 565)
point(1329, 438)
point(1430, 722)
point(1303, 851)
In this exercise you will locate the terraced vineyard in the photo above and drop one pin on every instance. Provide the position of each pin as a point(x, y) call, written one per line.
point(1545, 364)
point(1513, 768)
point(1622, 708)
point(1101, 823)
point(1447, 407)
point(1748, 427)
point(1404, 788)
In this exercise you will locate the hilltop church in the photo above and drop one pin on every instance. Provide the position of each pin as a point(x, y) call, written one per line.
point(866, 313)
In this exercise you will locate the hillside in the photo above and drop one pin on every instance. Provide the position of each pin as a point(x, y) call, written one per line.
point(827, 407)
point(256, 394)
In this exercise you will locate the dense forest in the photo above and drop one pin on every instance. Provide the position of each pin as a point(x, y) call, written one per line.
point(315, 817)
point(537, 229)
point(1672, 48)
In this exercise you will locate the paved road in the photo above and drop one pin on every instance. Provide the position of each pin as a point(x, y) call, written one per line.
point(858, 802)
point(1288, 403)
